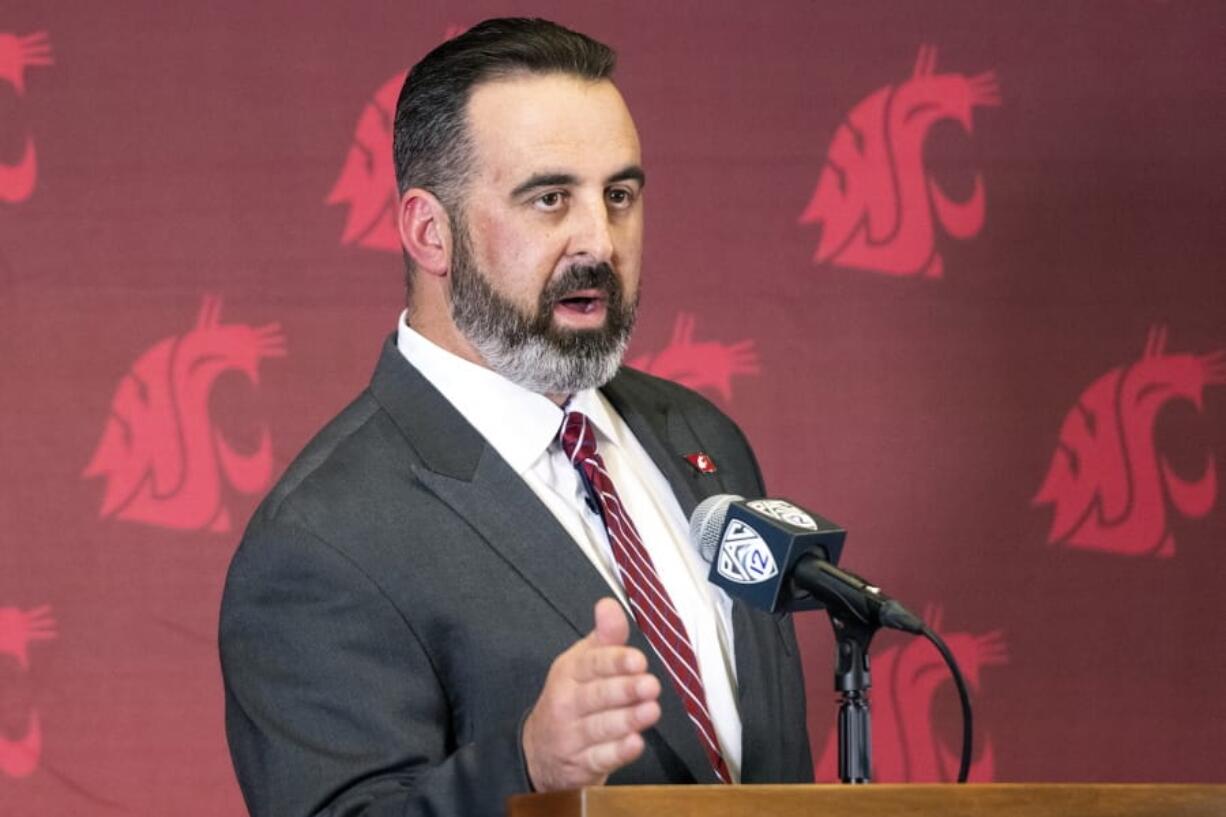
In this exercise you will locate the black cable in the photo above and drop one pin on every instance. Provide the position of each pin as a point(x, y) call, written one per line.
point(965, 768)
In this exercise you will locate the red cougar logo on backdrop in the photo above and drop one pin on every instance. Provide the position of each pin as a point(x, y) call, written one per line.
point(161, 454)
point(368, 177)
point(1107, 481)
point(707, 364)
point(906, 680)
point(19, 755)
point(16, 55)
point(875, 200)
point(367, 182)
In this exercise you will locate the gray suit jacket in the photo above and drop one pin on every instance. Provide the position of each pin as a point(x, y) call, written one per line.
point(396, 602)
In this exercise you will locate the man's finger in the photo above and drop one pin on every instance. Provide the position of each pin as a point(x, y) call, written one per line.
point(615, 692)
point(607, 662)
point(605, 758)
point(615, 724)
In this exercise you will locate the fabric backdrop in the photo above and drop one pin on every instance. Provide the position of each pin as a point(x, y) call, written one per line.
point(956, 268)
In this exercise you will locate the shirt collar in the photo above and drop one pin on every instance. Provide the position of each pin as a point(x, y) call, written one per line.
point(592, 403)
point(519, 424)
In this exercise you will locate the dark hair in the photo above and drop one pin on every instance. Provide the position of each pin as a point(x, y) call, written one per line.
point(431, 146)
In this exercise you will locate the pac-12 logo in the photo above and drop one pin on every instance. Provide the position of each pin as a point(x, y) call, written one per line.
point(784, 512)
point(367, 181)
point(743, 557)
point(17, 180)
point(1107, 482)
point(907, 746)
point(707, 364)
point(162, 455)
point(21, 737)
point(875, 200)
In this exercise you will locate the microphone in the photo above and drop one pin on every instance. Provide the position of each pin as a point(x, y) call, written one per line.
point(777, 556)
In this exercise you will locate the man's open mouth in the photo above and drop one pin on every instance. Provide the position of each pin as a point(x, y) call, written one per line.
point(584, 301)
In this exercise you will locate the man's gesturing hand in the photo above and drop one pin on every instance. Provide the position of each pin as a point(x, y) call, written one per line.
point(597, 698)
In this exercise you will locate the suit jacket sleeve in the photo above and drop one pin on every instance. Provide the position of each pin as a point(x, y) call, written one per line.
point(302, 622)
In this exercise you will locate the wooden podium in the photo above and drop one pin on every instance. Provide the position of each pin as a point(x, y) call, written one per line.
point(881, 800)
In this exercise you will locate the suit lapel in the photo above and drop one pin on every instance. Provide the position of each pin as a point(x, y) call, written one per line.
point(469, 476)
point(752, 697)
point(466, 474)
point(668, 438)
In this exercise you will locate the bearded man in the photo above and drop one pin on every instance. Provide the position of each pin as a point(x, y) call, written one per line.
point(477, 581)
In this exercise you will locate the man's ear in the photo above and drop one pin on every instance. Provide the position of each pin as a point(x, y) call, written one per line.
point(425, 231)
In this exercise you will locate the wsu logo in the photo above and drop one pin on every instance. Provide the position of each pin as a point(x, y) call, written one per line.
point(367, 182)
point(1107, 482)
point(16, 55)
point(163, 459)
point(368, 178)
point(708, 364)
point(20, 753)
point(906, 681)
point(875, 201)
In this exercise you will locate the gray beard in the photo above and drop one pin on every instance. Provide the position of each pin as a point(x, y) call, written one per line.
point(528, 349)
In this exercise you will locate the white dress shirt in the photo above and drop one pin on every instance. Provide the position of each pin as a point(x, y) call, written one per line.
point(522, 426)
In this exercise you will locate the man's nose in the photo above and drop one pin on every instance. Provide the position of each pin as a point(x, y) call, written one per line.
point(592, 234)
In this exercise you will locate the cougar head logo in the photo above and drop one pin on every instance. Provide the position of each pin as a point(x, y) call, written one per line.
point(875, 200)
point(367, 182)
point(906, 680)
point(700, 365)
point(368, 177)
point(16, 55)
point(20, 753)
point(1107, 481)
point(162, 457)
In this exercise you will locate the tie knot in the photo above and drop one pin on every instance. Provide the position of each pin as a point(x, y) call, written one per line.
point(577, 436)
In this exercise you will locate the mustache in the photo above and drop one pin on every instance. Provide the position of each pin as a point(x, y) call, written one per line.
point(583, 276)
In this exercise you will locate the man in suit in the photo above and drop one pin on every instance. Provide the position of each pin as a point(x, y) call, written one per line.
point(429, 611)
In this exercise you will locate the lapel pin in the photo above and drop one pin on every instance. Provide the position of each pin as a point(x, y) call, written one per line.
point(702, 463)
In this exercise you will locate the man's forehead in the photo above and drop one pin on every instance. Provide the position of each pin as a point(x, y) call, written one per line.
point(528, 123)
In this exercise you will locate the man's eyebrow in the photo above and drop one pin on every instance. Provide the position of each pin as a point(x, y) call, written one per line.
point(629, 173)
point(544, 180)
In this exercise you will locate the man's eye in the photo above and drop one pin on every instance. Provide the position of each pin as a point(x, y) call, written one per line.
point(620, 197)
point(549, 201)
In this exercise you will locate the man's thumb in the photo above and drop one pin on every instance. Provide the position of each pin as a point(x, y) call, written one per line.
point(611, 628)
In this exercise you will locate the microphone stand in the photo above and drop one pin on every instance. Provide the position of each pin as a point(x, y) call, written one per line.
point(852, 681)
point(857, 610)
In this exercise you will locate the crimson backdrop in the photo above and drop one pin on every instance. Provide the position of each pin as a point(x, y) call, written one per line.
point(955, 267)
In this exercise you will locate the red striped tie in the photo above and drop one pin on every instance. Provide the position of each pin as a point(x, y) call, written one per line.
point(653, 609)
